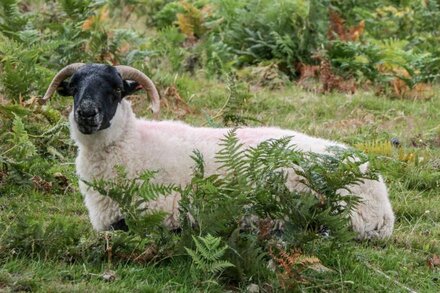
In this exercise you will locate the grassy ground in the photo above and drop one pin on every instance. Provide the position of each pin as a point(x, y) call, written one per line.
point(387, 266)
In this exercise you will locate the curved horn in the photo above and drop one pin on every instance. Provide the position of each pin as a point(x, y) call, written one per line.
point(64, 73)
point(131, 73)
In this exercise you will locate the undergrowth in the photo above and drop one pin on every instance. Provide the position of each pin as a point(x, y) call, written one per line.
point(286, 37)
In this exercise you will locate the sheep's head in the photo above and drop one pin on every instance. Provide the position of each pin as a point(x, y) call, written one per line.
point(97, 90)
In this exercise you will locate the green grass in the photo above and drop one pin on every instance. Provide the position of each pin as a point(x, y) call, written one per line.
point(359, 267)
point(49, 276)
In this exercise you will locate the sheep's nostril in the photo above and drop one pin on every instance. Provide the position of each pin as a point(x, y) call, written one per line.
point(87, 112)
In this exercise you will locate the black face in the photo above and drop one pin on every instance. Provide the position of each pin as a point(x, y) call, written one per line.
point(97, 90)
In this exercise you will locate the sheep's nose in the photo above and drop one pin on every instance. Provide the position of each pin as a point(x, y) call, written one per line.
point(87, 112)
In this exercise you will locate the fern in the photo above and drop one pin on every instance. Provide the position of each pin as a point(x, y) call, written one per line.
point(251, 185)
point(254, 181)
point(191, 21)
point(21, 71)
point(18, 158)
point(207, 257)
point(167, 15)
point(11, 20)
point(20, 155)
point(133, 196)
point(237, 99)
point(168, 43)
point(76, 9)
point(231, 155)
point(216, 55)
point(199, 167)
point(285, 31)
point(23, 147)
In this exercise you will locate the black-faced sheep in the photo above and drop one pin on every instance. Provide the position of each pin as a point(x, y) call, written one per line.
point(108, 133)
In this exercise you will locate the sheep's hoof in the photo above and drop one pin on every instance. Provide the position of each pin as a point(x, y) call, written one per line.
point(119, 225)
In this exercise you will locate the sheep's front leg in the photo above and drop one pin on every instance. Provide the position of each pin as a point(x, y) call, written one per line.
point(104, 213)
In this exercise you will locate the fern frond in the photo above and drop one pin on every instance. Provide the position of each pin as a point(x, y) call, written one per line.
point(20, 140)
point(133, 196)
point(199, 164)
point(207, 255)
point(231, 155)
point(11, 20)
point(219, 266)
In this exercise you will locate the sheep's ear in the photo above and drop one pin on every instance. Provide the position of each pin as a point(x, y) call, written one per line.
point(130, 86)
point(64, 89)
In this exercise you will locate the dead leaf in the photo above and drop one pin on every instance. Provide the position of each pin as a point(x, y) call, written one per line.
point(104, 13)
point(108, 57)
point(433, 261)
point(29, 102)
point(307, 71)
point(3, 100)
point(253, 288)
point(41, 184)
point(102, 16)
point(355, 32)
point(62, 180)
point(290, 265)
point(400, 89)
point(87, 24)
point(268, 76)
point(3, 175)
point(147, 255)
point(320, 268)
point(109, 276)
point(331, 81)
point(336, 26)
point(265, 227)
point(191, 22)
point(185, 25)
point(124, 48)
point(172, 101)
point(190, 42)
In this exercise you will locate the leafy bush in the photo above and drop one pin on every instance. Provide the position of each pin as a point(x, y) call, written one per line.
point(263, 30)
point(20, 158)
point(74, 31)
point(35, 146)
point(396, 42)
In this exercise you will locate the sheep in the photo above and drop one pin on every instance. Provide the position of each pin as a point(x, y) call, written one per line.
point(107, 133)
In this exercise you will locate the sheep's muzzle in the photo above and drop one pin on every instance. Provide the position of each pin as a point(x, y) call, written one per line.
point(88, 117)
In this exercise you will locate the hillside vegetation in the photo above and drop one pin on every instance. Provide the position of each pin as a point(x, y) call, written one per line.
point(361, 72)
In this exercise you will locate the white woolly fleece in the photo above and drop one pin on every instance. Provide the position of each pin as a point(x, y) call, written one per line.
point(166, 146)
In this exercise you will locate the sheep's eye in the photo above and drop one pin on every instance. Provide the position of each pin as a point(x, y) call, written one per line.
point(118, 91)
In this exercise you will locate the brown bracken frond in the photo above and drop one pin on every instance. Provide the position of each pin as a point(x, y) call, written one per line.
point(338, 29)
point(330, 81)
point(174, 102)
point(290, 265)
